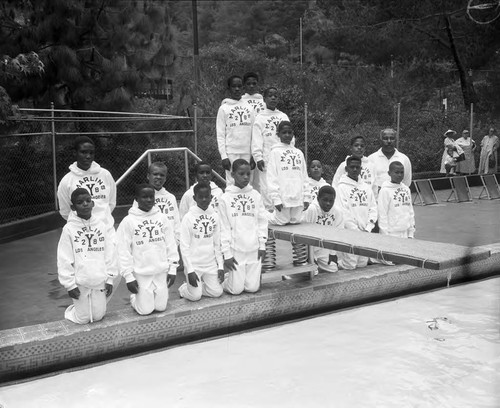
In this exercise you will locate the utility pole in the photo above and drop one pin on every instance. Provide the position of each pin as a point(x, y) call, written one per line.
point(196, 56)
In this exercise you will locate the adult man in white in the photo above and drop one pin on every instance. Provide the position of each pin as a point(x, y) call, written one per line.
point(385, 156)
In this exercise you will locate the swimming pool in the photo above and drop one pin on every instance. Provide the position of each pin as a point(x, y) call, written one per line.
point(438, 349)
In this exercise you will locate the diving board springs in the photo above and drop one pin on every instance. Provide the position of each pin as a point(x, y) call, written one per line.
point(413, 252)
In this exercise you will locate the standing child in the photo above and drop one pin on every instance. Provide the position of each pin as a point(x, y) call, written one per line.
point(203, 175)
point(86, 173)
point(234, 127)
point(200, 248)
point(322, 212)
point(315, 179)
point(243, 232)
point(367, 173)
point(450, 161)
point(264, 136)
point(251, 95)
point(85, 260)
point(147, 253)
point(395, 210)
point(356, 200)
point(287, 179)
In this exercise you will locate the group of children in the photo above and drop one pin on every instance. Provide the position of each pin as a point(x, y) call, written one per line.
point(220, 236)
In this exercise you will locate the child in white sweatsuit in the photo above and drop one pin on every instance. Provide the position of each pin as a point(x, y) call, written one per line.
point(323, 212)
point(203, 175)
point(251, 96)
point(147, 253)
point(234, 127)
point(395, 210)
point(264, 136)
point(86, 263)
point(243, 232)
point(86, 173)
point(287, 179)
point(200, 248)
point(367, 172)
point(356, 200)
point(315, 180)
point(165, 201)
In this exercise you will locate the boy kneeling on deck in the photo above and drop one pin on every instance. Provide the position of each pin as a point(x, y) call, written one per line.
point(323, 212)
point(86, 260)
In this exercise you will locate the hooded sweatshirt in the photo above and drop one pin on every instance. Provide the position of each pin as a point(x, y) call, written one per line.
point(167, 204)
point(146, 244)
point(287, 179)
point(99, 183)
point(187, 200)
point(395, 210)
point(85, 254)
point(234, 127)
point(314, 186)
point(315, 215)
point(200, 240)
point(356, 200)
point(243, 221)
point(367, 174)
point(255, 101)
point(264, 133)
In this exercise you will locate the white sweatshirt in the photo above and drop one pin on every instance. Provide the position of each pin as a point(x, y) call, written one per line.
point(167, 204)
point(395, 210)
point(255, 101)
point(187, 200)
point(85, 254)
point(332, 219)
point(146, 244)
point(234, 127)
point(381, 166)
point(314, 186)
point(243, 221)
point(356, 200)
point(367, 174)
point(264, 134)
point(98, 182)
point(200, 240)
point(287, 179)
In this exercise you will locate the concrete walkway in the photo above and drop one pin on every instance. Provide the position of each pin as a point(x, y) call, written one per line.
point(31, 293)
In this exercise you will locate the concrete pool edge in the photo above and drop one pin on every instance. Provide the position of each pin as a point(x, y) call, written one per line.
point(36, 350)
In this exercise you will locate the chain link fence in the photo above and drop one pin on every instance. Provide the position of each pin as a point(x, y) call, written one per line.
point(37, 153)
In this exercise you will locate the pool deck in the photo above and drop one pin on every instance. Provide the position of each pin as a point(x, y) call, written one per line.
point(33, 301)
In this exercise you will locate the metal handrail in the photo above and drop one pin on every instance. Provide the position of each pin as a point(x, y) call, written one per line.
point(148, 152)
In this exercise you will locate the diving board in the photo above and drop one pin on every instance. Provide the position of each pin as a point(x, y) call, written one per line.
point(414, 252)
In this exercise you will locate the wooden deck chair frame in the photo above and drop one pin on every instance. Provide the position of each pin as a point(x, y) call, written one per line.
point(425, 192)
point(491, 189)
point(460, 189)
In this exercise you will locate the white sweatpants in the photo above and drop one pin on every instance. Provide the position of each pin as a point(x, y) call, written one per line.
point(287, 215)
point(89, 307)
point(246, 277)
point(322, 256)
point(208, 285)
point(152, 295)
point(232, 158)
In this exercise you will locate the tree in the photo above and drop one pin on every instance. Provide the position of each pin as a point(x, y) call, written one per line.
point(97, 53)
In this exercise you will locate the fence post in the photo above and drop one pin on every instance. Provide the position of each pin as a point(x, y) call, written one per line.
point(54, 164)
point(195, 129)
point(397, 124)
point(305, 132)
point(471, 119)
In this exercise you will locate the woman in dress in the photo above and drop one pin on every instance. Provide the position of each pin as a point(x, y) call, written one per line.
point(489, 146)
point(449, 140)
point(468, 145)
